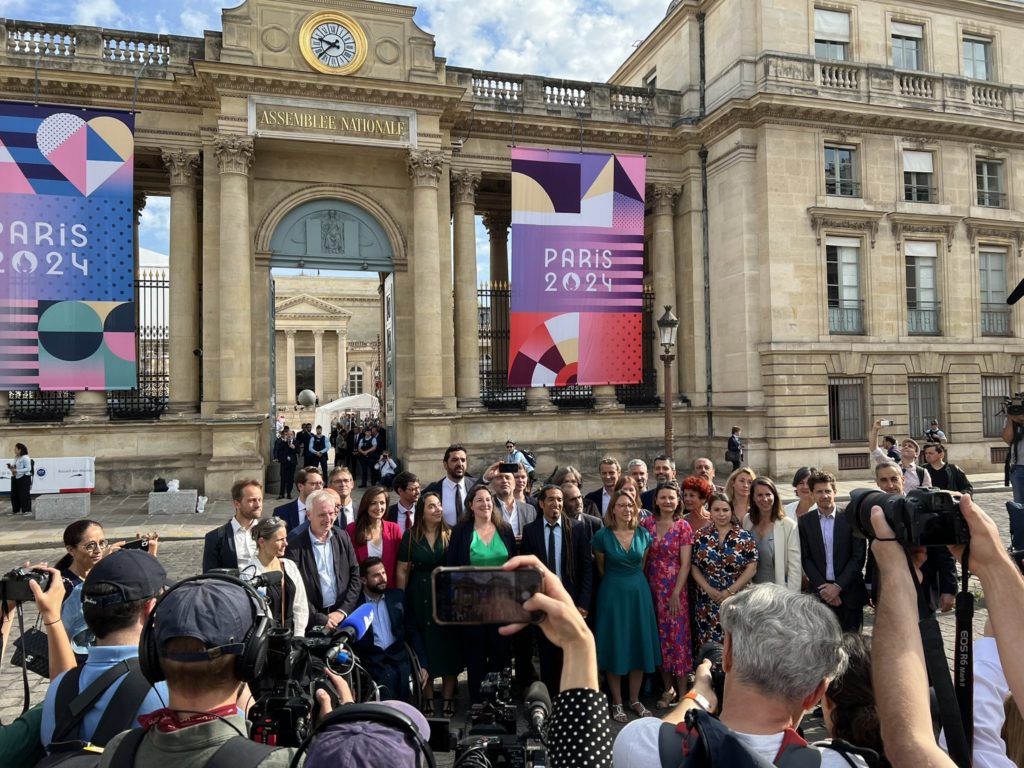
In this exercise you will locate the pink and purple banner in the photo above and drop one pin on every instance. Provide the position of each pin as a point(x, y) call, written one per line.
point(67, 268)
point(577, 268)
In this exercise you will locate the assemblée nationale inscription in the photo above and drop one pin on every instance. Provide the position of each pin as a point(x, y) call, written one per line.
point(330, 123)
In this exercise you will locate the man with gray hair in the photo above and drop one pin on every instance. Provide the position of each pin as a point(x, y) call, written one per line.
point(781, 650)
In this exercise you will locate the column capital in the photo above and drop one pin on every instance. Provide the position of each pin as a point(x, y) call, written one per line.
point(289, 333)
point(465, 184)
point(425, 167)
point(663, 198)
point(318, 332)
point(182, 165)
point(497, 222)
point(234, 153)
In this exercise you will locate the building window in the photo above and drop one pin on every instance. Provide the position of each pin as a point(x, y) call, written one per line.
point(922, 290)
point(994, 390)
point(831, 35)
point(977, 58)
point(355, 380)
point(845, 409)
point(845, 308)
point(651, 80)
point(995, 313)
point(989, 175)
point(841, 171)
point(919, 177)
point(305, 373)
point(923, 394)
point(907, 48)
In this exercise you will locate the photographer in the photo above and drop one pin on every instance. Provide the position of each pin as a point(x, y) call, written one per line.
point(386, 468)
point(782, 648)
point(901, 682)
point(578, 735)
point(1013, 436)
point(19, 741)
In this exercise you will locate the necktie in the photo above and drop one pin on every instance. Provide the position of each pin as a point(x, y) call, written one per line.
point(551, 547)
point(458, 502)
point(408, 519)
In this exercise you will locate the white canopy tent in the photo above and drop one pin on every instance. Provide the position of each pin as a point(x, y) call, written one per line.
point(363, 406)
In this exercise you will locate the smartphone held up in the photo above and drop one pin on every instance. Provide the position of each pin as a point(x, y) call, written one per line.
point(469, 595)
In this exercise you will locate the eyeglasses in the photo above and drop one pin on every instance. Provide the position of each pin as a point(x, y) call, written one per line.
point(94, 546)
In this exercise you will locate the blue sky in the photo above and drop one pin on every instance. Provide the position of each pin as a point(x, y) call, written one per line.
point(574, 39)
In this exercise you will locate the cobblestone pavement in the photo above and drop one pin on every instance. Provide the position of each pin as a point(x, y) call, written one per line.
point(181, 553)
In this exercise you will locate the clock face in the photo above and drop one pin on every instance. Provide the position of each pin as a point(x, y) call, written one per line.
point(332, 43)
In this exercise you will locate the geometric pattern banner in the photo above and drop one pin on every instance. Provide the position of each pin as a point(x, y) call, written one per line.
point(577, 268)
point(67, 268)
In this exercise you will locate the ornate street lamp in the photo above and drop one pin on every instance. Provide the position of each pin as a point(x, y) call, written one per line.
point(668, 326)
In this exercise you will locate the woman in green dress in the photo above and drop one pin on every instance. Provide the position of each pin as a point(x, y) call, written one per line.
point(424, 547)
point(627, 629)
point(482, 538)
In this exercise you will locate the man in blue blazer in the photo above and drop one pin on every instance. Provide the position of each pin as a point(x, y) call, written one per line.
point(384, 649)
point(564, 547)
point(307, 480)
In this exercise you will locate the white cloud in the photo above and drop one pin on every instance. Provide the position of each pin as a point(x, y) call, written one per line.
point(98, 13)
point(155, 224)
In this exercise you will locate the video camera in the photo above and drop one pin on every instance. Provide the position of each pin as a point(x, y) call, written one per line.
point(1014, 406)
point(925, 517)
point(492, 733)
point(14, 585)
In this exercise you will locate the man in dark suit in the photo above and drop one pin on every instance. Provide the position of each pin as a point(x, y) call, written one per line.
point(610, 473)
point(287, 456)
point(318, 449)
point(455, 485)
point(342, 483)
point(231, 545)
point(517, 514)
point(403, 512)
point(327, 563)
point(307, 480)
point(572, 506)
point(564, 547)
point(664, 470)
point(382, 650)
point(833, 558)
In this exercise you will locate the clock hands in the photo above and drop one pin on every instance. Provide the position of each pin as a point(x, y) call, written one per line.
point(326, 49)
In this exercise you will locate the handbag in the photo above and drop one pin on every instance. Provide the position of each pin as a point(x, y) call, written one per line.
point(32, 647)
point(731, 456)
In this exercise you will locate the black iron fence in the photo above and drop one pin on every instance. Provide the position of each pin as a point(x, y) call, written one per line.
point(494, 302)
point(34, 405)
point(150, 398)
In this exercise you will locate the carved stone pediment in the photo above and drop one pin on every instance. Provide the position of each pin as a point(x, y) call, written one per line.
point(907, 223)
point(309, 307)
point(823, 218)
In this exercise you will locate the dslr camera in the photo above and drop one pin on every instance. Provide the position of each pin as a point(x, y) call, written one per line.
point(14, 584)
point(925, 517)
point(492, 734)
point(1014, 406)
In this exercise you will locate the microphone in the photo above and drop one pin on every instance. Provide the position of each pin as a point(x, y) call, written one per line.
point(356, 623)
point(538, 705)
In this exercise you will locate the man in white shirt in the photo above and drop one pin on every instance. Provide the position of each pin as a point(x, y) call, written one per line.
point(455, 485)
point(231, 545)
point(516, 513)
point(913, 475)
point(403, 512)
point(611, 471)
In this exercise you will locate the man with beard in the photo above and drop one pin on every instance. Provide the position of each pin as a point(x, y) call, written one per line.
point(455, 485)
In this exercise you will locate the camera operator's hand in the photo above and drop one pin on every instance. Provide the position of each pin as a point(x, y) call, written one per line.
point(154, 540)
point(703, 684)
point(50, 601)
point(323, 698)
point(986, 545)
point(334, 618)
point(563, 625)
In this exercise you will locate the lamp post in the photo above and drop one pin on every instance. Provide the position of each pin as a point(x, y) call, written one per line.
point(668, 326)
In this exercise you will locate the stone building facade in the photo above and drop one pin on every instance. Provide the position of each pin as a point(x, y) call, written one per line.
point(834, 196)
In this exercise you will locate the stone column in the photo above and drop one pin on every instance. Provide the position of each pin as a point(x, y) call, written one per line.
point(467, 333)
point(318, 365)
point(342, 363)
point(289, 367)
point(425, 171)
point(234, 156)
point(497, 223)
point(663, 253)
point(184, 281)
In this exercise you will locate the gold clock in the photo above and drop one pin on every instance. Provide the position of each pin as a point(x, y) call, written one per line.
point(333, 43)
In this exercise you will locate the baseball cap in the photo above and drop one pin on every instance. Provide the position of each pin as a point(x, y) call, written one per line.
point(217, 613)
point(369, 744)
point(135, 575)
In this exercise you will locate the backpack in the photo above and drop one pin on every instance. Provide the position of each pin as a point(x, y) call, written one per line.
point(236, 752)
point(71, 707)
point(920, 476)
point(530, 458)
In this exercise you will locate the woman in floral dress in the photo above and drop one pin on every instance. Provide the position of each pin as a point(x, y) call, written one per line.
point(724, 562)
point(668, 566)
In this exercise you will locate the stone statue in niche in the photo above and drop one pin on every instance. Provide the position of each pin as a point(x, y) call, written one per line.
point(332, 233)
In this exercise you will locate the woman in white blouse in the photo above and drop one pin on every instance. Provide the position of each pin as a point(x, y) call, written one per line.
point(288, 604)
point(777, 538)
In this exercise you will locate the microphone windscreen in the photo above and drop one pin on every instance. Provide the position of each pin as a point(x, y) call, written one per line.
point(537, 695)
point(359, 620)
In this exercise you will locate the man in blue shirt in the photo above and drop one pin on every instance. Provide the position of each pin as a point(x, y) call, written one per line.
point(117, 596)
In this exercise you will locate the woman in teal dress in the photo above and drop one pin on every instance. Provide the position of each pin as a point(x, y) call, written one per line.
point(424, 547)
point(482, 538)
point(627, 629)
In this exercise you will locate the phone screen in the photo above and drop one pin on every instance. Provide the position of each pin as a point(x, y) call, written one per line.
point(484, 595)
point(508, 468)
point(142, 544)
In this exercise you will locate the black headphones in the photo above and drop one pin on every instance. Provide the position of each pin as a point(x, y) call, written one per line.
point(248, 664)
point(375, 713)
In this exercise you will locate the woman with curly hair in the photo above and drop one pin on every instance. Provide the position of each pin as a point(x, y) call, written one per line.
point(696, 491)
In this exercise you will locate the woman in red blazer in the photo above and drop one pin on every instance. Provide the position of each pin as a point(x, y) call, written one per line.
point(371, 535)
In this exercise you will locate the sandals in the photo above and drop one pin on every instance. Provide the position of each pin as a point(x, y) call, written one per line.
point(640, 709)
point(668, 699)
point(619, 714)
point(448, 710)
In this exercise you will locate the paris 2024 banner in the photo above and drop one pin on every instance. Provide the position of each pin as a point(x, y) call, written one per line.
point(67, 284)
point(577, 268)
